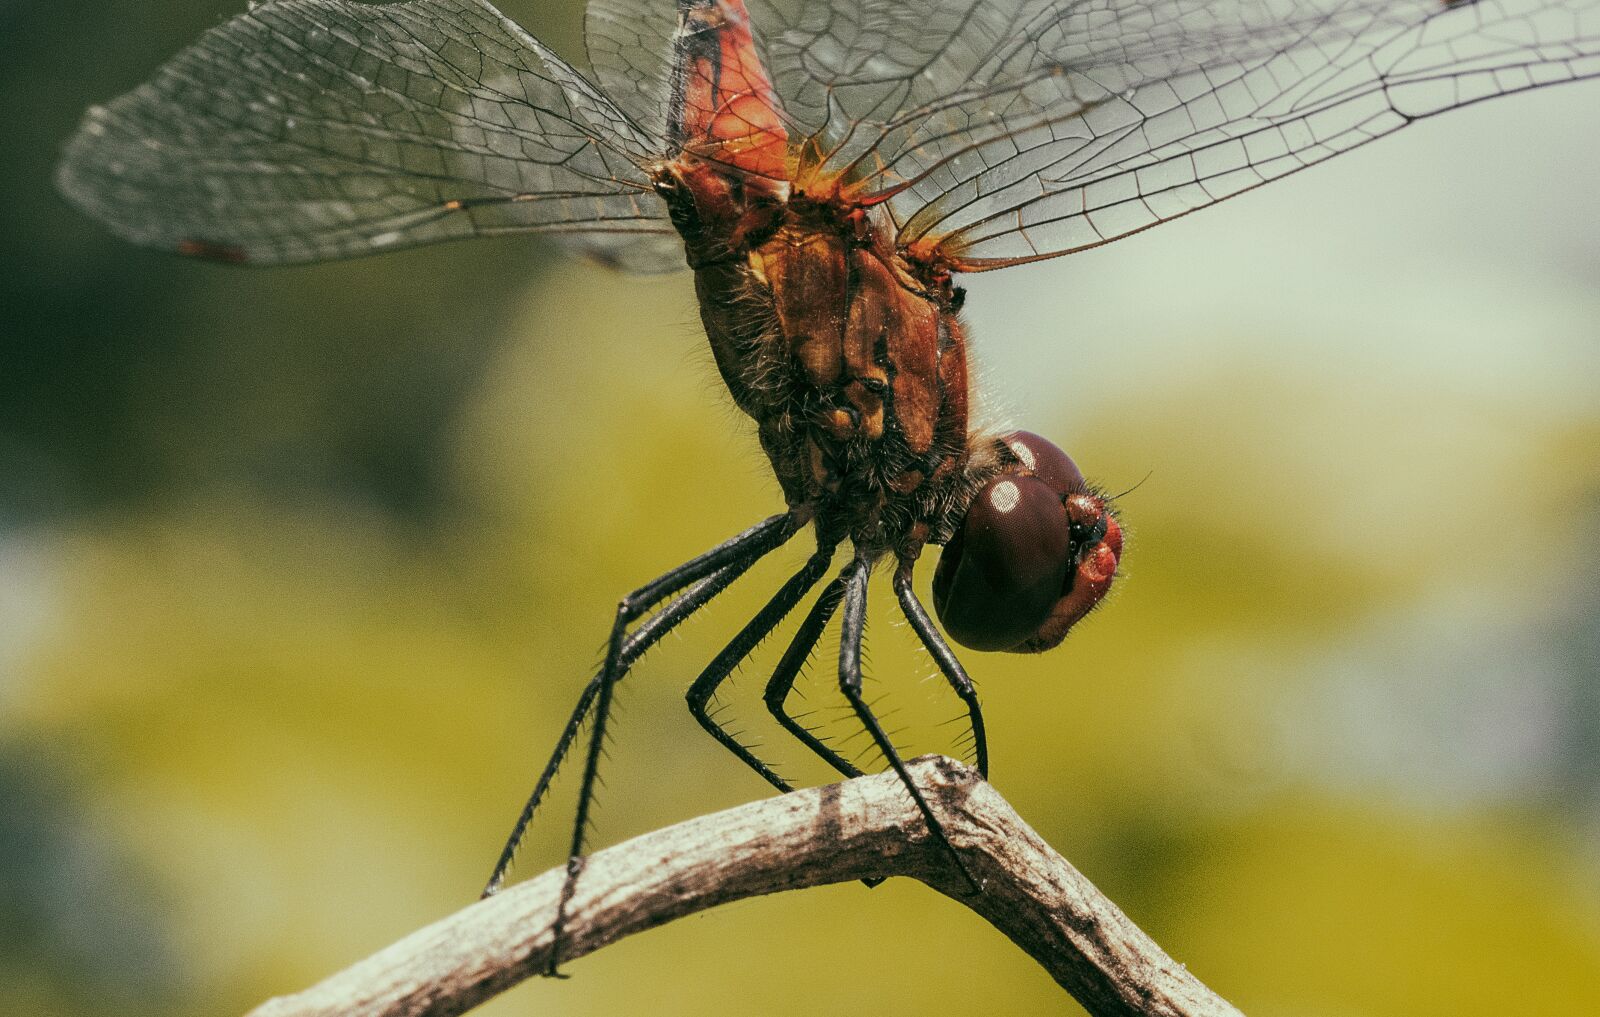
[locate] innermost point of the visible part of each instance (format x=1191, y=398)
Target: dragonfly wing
x=852, y=75
x=638, y=252
x=630, y=47
x=1006, y=131
x=306, y=130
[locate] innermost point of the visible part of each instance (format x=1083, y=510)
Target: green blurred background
x=301, y=569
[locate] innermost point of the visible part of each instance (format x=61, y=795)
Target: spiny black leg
x=642, y=638
x=759, y=627
x=709, y=574
x=520, y=828
x=782, y=683
x=737, y=554
x=854, y=624
x=794, y=660
x=942, y=655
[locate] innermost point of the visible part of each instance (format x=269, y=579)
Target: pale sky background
x=1460, y=257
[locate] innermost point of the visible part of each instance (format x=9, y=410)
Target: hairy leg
x=705, y=576
x=945, y=658
x=854, y=625
x=781, y=685
x=704, y=687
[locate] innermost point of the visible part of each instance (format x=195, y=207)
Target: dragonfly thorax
x=849, y=355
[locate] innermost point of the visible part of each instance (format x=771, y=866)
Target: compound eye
x=1037, y=551
x=1045, y=460
x=1001, y=576
x=1097, y=552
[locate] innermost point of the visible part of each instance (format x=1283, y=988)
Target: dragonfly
x=826, y=169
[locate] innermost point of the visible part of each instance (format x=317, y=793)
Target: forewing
x=630, y=46
x=306, y=130
x=1005, y=131
x=861, y=79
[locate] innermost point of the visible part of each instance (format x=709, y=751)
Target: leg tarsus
x=945, y=658
x=644, y=637
x=563, y=744
x=854, y=624
x=552, y=967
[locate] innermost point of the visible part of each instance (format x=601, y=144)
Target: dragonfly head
x=1037, y=550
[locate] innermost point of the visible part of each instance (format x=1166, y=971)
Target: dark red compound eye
x=1045, y=460
x=1003, y=572
x=1036, y=552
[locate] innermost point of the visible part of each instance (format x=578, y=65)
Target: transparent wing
x=631, y=48
x=306, y=130
x=861, y=78
x=1006, y=131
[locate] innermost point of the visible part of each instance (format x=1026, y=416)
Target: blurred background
x=300, y=571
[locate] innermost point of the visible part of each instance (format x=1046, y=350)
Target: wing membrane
x=305, y=130
x=1005, y=131
x=630, y=46
x=995, y=131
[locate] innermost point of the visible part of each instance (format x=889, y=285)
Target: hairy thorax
x=849, y=356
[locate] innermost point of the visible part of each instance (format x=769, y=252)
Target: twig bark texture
x=860, y=829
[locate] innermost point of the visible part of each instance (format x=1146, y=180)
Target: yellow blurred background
x=301, y=570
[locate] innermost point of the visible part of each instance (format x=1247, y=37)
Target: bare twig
x=859, y=829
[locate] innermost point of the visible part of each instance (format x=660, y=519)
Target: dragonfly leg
x=646, y=636
x=854, y=625
x=781, y=685
x=704, y=576
x=945, y=658
x=782, y=682
x=705, y=687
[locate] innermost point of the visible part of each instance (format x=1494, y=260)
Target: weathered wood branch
x=860, y=829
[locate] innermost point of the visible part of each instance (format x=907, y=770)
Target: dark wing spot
x=232, y=254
